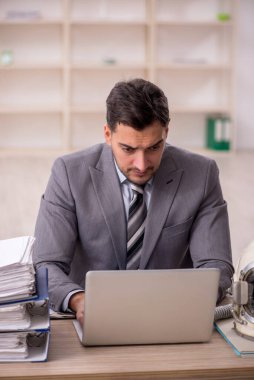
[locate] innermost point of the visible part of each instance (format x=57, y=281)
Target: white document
x=13, y=345
x=16, y=251
x=17, y=275
x=14, y=317
x=24, y=346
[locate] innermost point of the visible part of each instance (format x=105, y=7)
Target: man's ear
x=166, y=132
x=107, y=134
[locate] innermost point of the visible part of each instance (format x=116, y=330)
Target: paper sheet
x=17, y=276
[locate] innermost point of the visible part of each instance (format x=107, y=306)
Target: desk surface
x=69, y=360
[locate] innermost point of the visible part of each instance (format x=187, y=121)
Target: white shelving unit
x=68, y=54
x=194, y=61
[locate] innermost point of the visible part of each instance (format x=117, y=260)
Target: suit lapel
x=107, y=188
x=165, y=185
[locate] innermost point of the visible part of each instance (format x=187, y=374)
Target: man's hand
x=77, y=303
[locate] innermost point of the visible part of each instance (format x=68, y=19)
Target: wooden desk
x=69, y=360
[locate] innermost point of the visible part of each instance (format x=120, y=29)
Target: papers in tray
x=17, y=276
x=24, y=305
x=24, y=346
x=28, y=316
x=13, y=345
x=14, y=317
x=25, y=325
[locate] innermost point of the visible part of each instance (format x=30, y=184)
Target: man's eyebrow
x=131, y=147
x=127, y=146
x=157, y=143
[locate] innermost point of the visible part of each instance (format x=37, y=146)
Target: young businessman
x=133, y=202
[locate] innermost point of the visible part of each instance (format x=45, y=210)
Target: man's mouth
x=140, y=173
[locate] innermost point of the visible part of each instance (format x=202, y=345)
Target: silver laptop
x=149, y=306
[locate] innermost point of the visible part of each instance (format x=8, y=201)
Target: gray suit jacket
x=81, y=224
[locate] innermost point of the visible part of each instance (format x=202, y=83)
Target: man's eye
x=154, y=148
x=127, y=149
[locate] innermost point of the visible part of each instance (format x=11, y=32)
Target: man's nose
x=140, y=161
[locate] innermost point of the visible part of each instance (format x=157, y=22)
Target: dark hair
x=137, y=103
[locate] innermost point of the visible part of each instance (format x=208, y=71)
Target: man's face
x=137, y=153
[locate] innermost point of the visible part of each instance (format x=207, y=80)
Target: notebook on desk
x=148, y=306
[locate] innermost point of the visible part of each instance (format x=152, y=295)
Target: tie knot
x=137, y=188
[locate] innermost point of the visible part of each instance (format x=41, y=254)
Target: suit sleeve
x=210, y=245
x=56, y=234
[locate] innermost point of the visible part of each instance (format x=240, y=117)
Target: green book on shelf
x=218, y=131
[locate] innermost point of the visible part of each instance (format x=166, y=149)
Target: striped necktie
x=136, y=227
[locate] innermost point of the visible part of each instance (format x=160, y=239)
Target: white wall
x=244, y=97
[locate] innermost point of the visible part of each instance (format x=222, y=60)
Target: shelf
x=192, y=66
x=4, y=110
x=210, y=152
x=83, y=109
x=31, y=22
x=88, y=109
x=32, y=152
x=109, y=66
x=32, y=66
x=66, y=61
x=199, y=110
x=195, y=23
x=108, y=22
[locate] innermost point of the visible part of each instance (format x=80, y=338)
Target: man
x=134, y=202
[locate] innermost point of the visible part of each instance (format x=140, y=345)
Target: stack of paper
x=15, y=317
x=17, y=275
x=13, y=345
x=24, y=304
